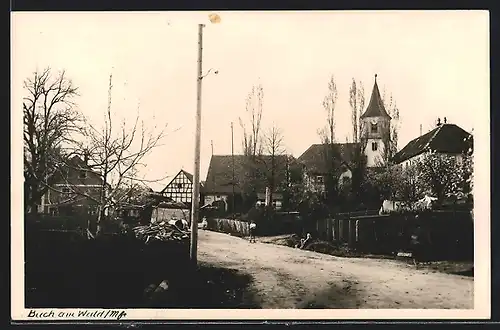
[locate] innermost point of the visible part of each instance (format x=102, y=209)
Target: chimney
x=438, y=122
x=445, y=120
x=420, y=129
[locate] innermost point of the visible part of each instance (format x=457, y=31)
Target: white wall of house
x=413, y=160
x=209, y=199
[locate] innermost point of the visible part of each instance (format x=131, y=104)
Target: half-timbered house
x=180, y=189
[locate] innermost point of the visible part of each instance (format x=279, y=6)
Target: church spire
x=375, y=107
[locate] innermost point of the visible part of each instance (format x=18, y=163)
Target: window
x=374, y=146
x=319, y=179
x=179, y=186
x=374, y=128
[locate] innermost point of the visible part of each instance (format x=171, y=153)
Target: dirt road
x=283, y=277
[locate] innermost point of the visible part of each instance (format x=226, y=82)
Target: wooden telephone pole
x=195, y=205
x=232, y=159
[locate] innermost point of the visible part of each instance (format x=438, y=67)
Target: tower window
x=374, y=146
x=374, y=127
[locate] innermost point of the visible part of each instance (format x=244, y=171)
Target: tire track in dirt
x=284, y=277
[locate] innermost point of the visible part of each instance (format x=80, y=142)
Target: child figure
x=253, y=226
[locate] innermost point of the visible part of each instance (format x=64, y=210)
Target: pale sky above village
x=435, y=64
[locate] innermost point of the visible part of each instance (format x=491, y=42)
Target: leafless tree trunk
x=327, y=135
x=252, y=145
x=329, y=103
x=252, y=139
x=114, y=154
x=391, y=138
x=274, y=147
x=357, y=103
x=49, y=122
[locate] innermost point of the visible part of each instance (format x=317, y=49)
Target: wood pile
x=163, y=232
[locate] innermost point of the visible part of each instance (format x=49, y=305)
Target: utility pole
x=195, y=205
x=232, y=159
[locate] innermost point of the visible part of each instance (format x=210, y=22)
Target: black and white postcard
x=250, y=165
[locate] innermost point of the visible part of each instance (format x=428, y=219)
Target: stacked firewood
x=163, y=232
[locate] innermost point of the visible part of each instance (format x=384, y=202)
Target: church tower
x=375, y=128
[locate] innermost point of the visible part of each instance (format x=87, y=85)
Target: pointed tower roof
x=376, y=106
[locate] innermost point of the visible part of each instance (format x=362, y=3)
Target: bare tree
x=331, y=154
x=329, y=103
x=357, y=103
x=115, y=153
x=274, y=148
x=391, y=137
x=252, y=142
x=50, y=122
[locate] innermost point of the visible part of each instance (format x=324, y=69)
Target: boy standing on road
x=252, y=231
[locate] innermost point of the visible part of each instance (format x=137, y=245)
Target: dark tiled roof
x=376, y=105
x=446, y=138
x=220, y=172
x=314, y=158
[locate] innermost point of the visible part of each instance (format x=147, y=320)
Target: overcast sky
x=435, y=64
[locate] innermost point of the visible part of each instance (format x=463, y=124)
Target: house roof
x=70, y=170
x=314, y=158
x=187, y=174
x=446, y=138
x=375, y=107
x=220, y=172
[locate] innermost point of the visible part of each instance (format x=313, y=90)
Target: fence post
x=332, y=228
x=357, y=231
x=341, y=230
x=334, y=231
x=350, y=230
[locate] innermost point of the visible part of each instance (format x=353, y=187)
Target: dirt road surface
x=284, y=277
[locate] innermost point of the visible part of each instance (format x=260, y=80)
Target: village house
x=445, y=138
x=373, y=138
x=74, y=189
x=228, y=174
x=180, y=188
x=180, y=192
x=314, y=162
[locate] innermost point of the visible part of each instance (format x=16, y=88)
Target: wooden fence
x=447, y=233
x=229, y=226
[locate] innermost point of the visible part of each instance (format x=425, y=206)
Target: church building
x=376, y=128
